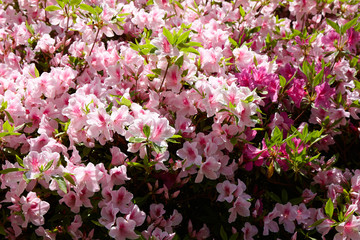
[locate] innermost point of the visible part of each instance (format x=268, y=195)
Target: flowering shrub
x=180, y=119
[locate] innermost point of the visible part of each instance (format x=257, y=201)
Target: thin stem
x=92, y=47
x=66, y=31
x=162, y=83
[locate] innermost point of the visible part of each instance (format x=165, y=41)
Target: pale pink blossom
x=190, y=154
x=33, y=209
x=208, y=168
x=123, y=230
x=249, y=231
x=121, y=199
x=349, y=229
x=226, y=190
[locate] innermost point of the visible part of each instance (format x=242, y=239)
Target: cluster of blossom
x=226, y=104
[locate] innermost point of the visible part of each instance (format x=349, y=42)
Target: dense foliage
x=167, y=119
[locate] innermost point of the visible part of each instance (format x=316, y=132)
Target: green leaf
x=6, y=126
x=248, y=99
x=37, y=74
x=109, y=107
x=179, y=5
x=183, y=37
x=306, y=69
x=193, y=44
x=318, y=78
x=234, y=236
x=75, y=2
x=282, y=81
x=48, y=165
x=9, y=117
x=29, y=28
x=179, y=62
x=98, y=10
x=135, y=164
x=136, y=139
x=4, y=134
x=276, y=135
x=150, y=2
x=223, y=234
x=19, y=160
x=318, y=222
x=3, y=106
x=168, y=36
x=156, y=71
x=2, y=230
x=52, y=8
x=158, y=149
x=357, y=84
x=348, y=25
x=254, y=29
x=146, y=131
x=334, y=25
x=296, y=201
x=190, y=49
x=176, y=136
x=8, y=170
x=284, y=196
x=68, y=177
x=274, y=197
x=123, y=100
x=354, y=61
x=61, y=182
x=88, y=8
x=97, y=223
x=61, y=3
x=233, y=42
x=242, y=11
x=329, y=208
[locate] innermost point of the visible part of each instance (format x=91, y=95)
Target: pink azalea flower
x=74, y=227
x=156, y=211
x=243, y=57
x=287, y=216
x=99, y=122
x=72, y=200
x=249, y=231
x=269, y=224
x=241, y=207
x=121, y=199
x=118, y=175
x=123, y=230
x=325, y=226
x=349, y=229
x=209, y=169
x=108, y=216
x=190, y=154
x=120, y=118
x=226, y=190
x=88, y=176
x=136, y=215
x=33, y=209
x=118, y=157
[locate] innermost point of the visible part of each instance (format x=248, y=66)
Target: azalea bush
x=191, y=119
